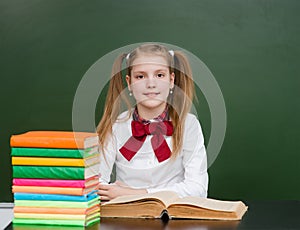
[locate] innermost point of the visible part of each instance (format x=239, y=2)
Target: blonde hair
x=179, y=102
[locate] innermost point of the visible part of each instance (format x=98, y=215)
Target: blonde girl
x=155, y=144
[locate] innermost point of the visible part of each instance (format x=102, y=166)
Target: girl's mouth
x=151, y=94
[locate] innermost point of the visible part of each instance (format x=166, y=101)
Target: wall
x=251, y=47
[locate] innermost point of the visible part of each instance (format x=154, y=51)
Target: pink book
x=56, y=183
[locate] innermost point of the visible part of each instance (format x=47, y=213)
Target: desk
x=260, y=215
x=6, y=214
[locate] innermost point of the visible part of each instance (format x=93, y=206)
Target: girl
x=156, y=144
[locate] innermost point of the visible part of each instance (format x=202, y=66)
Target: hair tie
x=171, y=52
x=127, y=56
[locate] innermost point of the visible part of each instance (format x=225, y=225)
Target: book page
x=212, y=204
x=165, y=197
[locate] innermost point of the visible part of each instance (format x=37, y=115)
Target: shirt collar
x=162, y=117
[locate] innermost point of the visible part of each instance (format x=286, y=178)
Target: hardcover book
x=57, y=204
x=55, y=197
x=60, y=220
x=55, y=172
x=57, y=183
x=55, y=139
x=53, y=190
x=51, y=161
x=51, y=210
x=52, y=152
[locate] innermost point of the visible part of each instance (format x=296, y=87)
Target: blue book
x=39, y=196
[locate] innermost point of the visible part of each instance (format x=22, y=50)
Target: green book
x=87, y=222
x=30, y=226
x=57, y=204
x=55, y=172
x=45, y=152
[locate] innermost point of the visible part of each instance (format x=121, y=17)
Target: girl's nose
x=151, y=83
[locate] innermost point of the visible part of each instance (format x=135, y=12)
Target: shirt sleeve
x=195, y=182
x=107, y=160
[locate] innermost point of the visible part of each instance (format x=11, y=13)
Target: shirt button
x=150, y=162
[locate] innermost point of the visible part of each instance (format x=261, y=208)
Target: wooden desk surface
x=260, y=215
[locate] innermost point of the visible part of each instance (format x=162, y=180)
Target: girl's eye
x=160, y=75
x=139, y=76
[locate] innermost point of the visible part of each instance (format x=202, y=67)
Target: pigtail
x=183, y=94
x=113, y=101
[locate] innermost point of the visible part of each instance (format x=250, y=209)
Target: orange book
x=55, y=210
x=55, y=139
x=53, y=190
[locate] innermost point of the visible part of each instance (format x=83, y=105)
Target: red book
x=56, y=183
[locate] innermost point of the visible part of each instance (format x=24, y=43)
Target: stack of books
x=55, y=177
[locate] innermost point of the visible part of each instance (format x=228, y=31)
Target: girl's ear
x=172, y=79
x=128, y=82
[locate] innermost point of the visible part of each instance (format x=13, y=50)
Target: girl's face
x=150, y=83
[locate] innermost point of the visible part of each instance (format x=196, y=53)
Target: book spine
x=85, y=211
x=50, y=210
x=49, y=216
x=54, y=197
x=48, y=190
x=48, y=161
x=58, y=172
x=49, y=182
x=41, y=142
x=49, y=222
x=66, y=223
x=57, y=204
x=56, y=183
x=48, y=152
x=54, y=140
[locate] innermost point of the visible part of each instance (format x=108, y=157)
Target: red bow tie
x=158, y=142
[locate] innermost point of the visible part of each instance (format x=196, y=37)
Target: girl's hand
x=111, y=191
x=120, y=183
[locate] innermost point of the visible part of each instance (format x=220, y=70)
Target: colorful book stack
x=55, y=177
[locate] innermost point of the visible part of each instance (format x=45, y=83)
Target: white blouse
x=186, y=174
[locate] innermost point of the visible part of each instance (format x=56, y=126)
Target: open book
x=155, y=205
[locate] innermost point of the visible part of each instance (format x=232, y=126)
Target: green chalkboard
x=251, y=47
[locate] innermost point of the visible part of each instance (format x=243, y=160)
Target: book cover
x=53, y=190
x=55, y=139
x=55, y=172
x=56, y=183
x=54, y=197
x=51, y=152
x=54, y=216
x=57, y=204
x=88, y=221
x=51, y=161
x=51, y=210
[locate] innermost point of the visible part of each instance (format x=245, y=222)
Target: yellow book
x=50, y=216
x=49, y=161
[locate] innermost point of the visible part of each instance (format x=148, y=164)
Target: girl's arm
x=110, y=191
x=107, y=160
